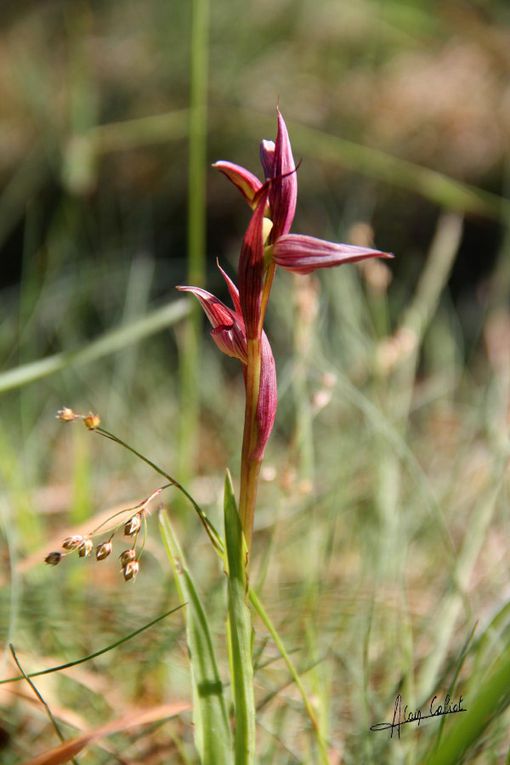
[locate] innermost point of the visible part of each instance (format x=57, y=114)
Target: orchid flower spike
x=229, y=334
x=293, y=252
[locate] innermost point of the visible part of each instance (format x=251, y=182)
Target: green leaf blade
x=239, y=631
x=492, y=698
x=212, y=732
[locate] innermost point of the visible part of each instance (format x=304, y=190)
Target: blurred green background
x=383, y=513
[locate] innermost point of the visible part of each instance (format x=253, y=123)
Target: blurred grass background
x=383, y=514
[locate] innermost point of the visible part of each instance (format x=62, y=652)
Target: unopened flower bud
x=267, y=149
x=92, y=421
x=85, y=549
x=126, y=557
x=53, y=558
x=72, y=543
x=66, y=414
x=133, y=525
x=103, y=550
x=130, y=570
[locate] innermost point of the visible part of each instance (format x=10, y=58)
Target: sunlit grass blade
x=41, y=699
x=141, y=131
x=190, y=348
x=239, y=631
x=321, y=744
x=94, y=655
x=212, y=733
x=491, y=699
x=110, y=342
x=452, y=604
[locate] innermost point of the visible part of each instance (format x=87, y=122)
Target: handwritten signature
x=401, y=716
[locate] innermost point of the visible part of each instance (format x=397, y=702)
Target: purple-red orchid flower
x=229, y=334
x=279, y=168
x=251, y=267
x=238, y=331
x=293, y=252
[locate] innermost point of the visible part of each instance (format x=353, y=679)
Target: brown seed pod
x=103, y=550
x=85, y=549
x=72, y=543
x=132, y=525
x=126, y=556
x=131, y=570
x=53, y=558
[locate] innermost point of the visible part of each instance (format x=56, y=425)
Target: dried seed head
x=72, y=543
x=133, y=525
x=92, y=421
x=85, y=548
x=66, y=415
x=126, y=557
x=53, y=558
x=103, y=550
x=130, y=570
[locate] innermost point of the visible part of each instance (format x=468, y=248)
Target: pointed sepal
x=251, y=267
x=247, y=183
x=304, y=254
x=283, y=194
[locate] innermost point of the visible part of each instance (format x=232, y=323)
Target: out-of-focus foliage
x=427, y=82
x=381, y=532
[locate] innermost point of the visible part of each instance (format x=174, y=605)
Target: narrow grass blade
x=40, y=697
x=212, y=733
x=109, y=343
x=492, y=698
x=259, y=608
x=197, y=168
x=94, y=655
x=239, y=632
x=141, y=131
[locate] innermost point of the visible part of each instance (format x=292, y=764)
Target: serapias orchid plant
x=238, y=331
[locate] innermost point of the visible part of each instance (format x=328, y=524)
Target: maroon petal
x=251, y=267
x=232, y=289
x=231, y=341
x=247, y=183
x=283, y=194
x=303, y=254
x=216, y=311
x=268, y=399
x=228, y=330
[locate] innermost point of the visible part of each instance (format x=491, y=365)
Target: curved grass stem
x=208, y=526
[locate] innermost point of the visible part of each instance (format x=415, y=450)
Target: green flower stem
x=250, y=467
